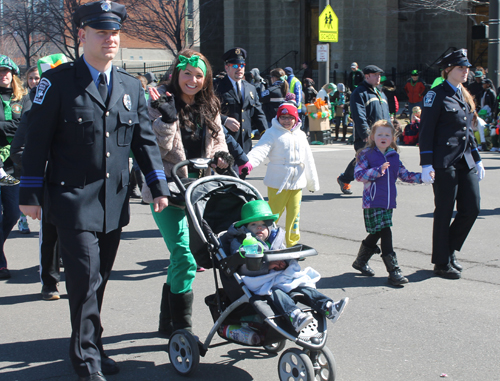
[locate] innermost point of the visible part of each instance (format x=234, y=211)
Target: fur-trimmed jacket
x=169, y=139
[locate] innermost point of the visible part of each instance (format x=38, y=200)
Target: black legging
x=385, y=236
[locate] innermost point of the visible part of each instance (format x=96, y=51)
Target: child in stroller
x=278, y=278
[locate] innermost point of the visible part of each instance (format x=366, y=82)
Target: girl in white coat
x=291, y=167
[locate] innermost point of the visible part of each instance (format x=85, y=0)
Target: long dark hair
x=206, y=104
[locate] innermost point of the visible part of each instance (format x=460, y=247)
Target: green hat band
x=194, y=61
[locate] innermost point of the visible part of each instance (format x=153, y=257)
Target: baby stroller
x=213, y=203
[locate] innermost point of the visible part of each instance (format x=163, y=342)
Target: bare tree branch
x=436, y=7
x=162, y=22
x=24, y=20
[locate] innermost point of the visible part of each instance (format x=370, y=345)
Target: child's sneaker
x=23, y=225
x=8, y=181
x=301, y=320
x=334, y=310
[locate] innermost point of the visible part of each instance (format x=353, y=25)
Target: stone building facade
x=370, y=32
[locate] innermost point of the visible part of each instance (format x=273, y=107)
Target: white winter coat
x=291, y=163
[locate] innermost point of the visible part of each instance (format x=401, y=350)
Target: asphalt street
x=428, y=330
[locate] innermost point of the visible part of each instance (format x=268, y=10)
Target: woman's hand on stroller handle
x=160, y=203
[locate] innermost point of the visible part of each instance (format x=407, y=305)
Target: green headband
x=194, y=61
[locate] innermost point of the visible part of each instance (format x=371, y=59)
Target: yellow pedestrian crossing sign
x=328, y=25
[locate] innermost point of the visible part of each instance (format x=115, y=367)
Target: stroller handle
x=198, y=163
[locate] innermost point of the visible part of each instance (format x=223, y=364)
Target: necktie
x=103, y=87
x=240, y=98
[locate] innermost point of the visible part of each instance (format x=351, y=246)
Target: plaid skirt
x=377, y=219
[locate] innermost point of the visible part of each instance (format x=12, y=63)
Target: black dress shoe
x=447, y=272
x=93, y=377
x=455, y=264
x=108, y=366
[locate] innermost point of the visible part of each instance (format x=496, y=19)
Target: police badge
x=237, y=51
x=106, y=6
x=127, y=102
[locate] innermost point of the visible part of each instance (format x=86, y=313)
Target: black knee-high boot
x=395, y=274
x=364, y=255
x=165, y=325
x=181, y=309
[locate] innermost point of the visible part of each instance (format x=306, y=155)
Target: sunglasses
x=236, y=66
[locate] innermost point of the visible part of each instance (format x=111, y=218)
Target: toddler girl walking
x=378, y=167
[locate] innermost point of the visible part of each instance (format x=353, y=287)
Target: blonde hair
x=469, y=99
x=370, y=143
x=18, y=90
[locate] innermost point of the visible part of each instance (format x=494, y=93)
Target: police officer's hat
x=235, y=55
x=102, y=15
x=456, y=58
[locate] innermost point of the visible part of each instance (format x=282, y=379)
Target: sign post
x=328, y=24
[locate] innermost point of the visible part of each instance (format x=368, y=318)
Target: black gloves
x=166, y=105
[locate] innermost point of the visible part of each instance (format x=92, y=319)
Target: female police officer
x=450, y=160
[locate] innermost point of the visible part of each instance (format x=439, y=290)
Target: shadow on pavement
x=153, y=268
x=306, y=197
x=28, y=275
x=151, y=233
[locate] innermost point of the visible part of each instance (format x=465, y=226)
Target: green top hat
x=50, y=62
x=257, y=210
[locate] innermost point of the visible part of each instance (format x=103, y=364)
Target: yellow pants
x=289, y=200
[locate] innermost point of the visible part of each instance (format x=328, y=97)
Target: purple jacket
x=380, y=190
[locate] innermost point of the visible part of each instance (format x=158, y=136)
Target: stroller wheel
x=295, y=364
x=275, y=347
x=183, y=352
x=324, y=364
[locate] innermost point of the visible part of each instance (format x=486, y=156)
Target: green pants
x=173, y=226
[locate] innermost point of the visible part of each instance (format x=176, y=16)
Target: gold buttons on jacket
x=108, y=154
x=465, y=128
x=107, y=113
x=62, y=182
x=465, y=118
x=107, y=175
x=464, y=138
x=107, y=134
x=130, y=121
x=80, y=120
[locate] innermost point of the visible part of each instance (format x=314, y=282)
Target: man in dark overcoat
x=86, y=118
x=241, y=109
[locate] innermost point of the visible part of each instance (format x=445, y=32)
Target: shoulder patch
x=264, y=93
x=41, y=90
x=429, y=99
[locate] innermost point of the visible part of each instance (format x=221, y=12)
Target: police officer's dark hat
x=235, y=55
x=456, y=58
x=102, y=15
x=372, y=69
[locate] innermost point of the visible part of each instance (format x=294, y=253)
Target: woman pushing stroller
x=278, y=278
x=187, y=124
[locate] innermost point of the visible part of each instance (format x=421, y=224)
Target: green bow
x=194, y=61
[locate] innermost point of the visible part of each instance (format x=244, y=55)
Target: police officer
x=241, y=109
x=450, y=160
x=86, y=118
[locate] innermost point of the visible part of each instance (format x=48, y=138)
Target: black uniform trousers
x=88, y=259
x=49, y=253
x=348, y=175
x=457, y=183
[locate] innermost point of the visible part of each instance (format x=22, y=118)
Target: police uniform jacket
x=445, y=134
x=86, y=145
x=271, y=99
x=249, y=114
x=368, y=105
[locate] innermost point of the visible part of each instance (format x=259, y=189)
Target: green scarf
x=7, y=110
